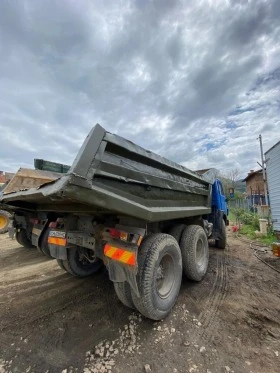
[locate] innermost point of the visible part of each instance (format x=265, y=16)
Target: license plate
x=59, y=234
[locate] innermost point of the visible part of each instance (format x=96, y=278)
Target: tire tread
x=187, y=244
x=222, y=243
x=123, y=292
x=149, y=253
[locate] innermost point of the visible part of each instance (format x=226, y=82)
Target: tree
x=233, y=176
x=229, y=180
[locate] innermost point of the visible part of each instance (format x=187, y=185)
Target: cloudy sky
x=196, y=81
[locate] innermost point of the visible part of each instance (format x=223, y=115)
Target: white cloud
x=195, y=81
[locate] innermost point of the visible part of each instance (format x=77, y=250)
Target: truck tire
x=44, y=246
x=79, y=266
x=222, y=243
x=177, y=231
x=123, y=292
x=60, y=263
x=159, y=276
x=4, y=221
x=22, y=239
x=195, y=252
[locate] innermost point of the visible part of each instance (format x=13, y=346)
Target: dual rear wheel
x=23, y=239
x=162, y=259
x=80, y=262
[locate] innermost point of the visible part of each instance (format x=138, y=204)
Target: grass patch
x=250, y=224
x=231, y=216
x=249, y=231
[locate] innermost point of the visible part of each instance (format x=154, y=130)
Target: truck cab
x=219, y=201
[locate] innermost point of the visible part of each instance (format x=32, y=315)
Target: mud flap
x=37, y=231
x=57, y=244
x=12, y=232
x=120, y=259
x=119, y=272
x=58, y=252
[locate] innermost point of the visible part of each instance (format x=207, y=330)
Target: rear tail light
x=114, y=233
x=118, y=234
x=129, y=237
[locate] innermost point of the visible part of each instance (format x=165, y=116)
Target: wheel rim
x=3, y=222
x=165, y=276
x=200, y=253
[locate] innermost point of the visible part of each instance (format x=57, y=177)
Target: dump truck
x=144, y=217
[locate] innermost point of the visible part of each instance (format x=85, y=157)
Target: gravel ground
x=52, y=322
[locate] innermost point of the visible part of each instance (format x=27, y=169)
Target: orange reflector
x=120, y=255
x=139, y=240
x=57, y=241
x=123, y=236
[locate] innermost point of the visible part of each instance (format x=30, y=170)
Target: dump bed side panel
x=113, y=174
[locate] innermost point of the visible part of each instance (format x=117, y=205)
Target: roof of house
x=5, y=176
x=272, y=147
x=251, y=174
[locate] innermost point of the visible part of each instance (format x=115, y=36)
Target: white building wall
x=272, y=157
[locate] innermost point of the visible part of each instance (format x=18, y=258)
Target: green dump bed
x=112, y=175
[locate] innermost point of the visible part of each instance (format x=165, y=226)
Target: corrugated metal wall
x=272, y=157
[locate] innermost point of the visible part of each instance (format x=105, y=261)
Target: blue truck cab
x=219, y=214
x=219, y=201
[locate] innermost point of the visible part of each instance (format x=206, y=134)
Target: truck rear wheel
x=123, y=292
x=177, y=231
x=222, y=242
x=81, y=262
x=4, y=221
x=60, y=263
x=22, y=238
x=44, y=246
x=195, y=252
x=159, y=276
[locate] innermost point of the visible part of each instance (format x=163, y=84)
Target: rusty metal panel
x=27, y=178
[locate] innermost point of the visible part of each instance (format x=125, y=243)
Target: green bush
x=247, y=218
x=250, y=223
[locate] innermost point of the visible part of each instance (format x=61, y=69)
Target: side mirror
x=226, y=200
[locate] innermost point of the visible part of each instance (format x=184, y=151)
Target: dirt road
x=52, y=322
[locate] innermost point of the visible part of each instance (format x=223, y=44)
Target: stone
x=147, y=368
